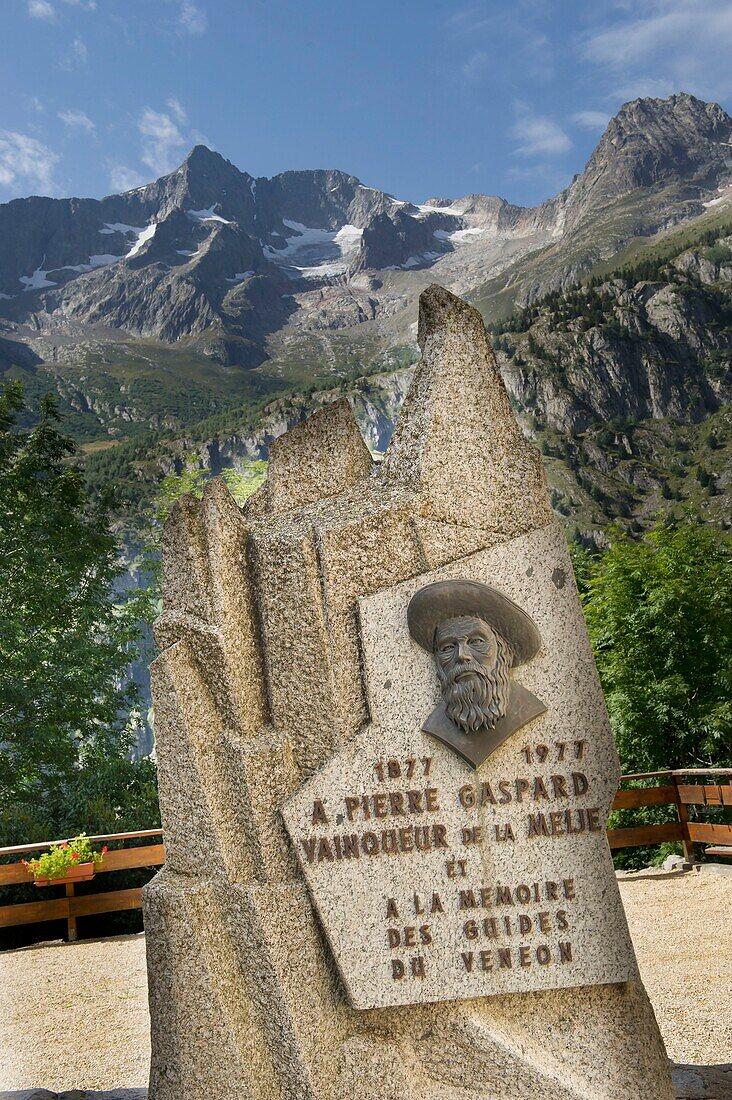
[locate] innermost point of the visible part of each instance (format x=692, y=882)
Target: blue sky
x=418, y=97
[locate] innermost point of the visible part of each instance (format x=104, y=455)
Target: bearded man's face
x=473, y=665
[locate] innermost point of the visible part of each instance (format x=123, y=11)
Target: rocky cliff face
x=651, y=356
x=659, y=163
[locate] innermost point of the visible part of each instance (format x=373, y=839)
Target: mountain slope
x=659, y=162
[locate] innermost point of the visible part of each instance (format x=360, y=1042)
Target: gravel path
x=75, y=1015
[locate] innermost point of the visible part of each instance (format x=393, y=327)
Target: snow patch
x=143, y=236
x=208, y=215
x=461, y=236
x=423, y=211
x=37, y=281
x=187, y=251
x=425, y=257
x=6, y=297
x=102, y=260
x=240, y=275
x=315, y=252
x=253, y=189
x=726, y=193
x=121, y=227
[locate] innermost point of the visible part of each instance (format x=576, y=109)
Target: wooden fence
x=677, y=791
x=673, y=791
x=70, y=907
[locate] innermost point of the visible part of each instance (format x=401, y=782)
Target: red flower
x=64, y=845
x=104, y=849
x=74, y=855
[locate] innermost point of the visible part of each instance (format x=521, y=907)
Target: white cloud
x=122, y=178
x=500, y=36
x=176, y=109
x=76, y=55
x=162, y=141
x=476, y=64
x=679, y=44
x=77, y=120
x=41, y=9
x=26, y=163
x=591, y=120
x=192, y=19
x=79, y=51
x=538, y=136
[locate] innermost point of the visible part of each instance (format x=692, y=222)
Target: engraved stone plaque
x=438, y=881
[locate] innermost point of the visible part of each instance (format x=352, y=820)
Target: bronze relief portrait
x=476, y=635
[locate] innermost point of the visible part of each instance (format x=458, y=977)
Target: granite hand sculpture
x=476, y=635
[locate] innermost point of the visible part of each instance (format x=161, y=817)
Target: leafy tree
x=68, y=632
x=659, y=612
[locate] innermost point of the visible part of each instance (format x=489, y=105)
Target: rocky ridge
x=237, y=270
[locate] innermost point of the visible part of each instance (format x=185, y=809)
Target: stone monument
x=385, y=772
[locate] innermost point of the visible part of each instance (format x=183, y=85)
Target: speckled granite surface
x=260, y=681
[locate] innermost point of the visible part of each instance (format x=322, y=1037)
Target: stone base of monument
x=348, y=907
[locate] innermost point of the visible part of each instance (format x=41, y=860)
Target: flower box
x=81, y=872
x=66, y=861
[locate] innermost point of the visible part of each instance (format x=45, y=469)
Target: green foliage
x=718, y=253
x=68, y=634
x=61, y=857
x=659, y=614
x=240, y=483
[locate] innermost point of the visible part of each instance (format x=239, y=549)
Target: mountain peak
x=201, y=156
x=680, y=110
x=656, y=141
x=205, y=179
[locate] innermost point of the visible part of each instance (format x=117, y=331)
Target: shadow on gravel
x=75, y=1094
x=701, y=1082
x=690, y=1083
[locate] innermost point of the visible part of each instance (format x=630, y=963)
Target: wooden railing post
x=70, y=921
x=683, y=813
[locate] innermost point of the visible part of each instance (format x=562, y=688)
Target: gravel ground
x=75, y=1015
x=682, y=933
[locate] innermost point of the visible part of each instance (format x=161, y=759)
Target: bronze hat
x=442, y=600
